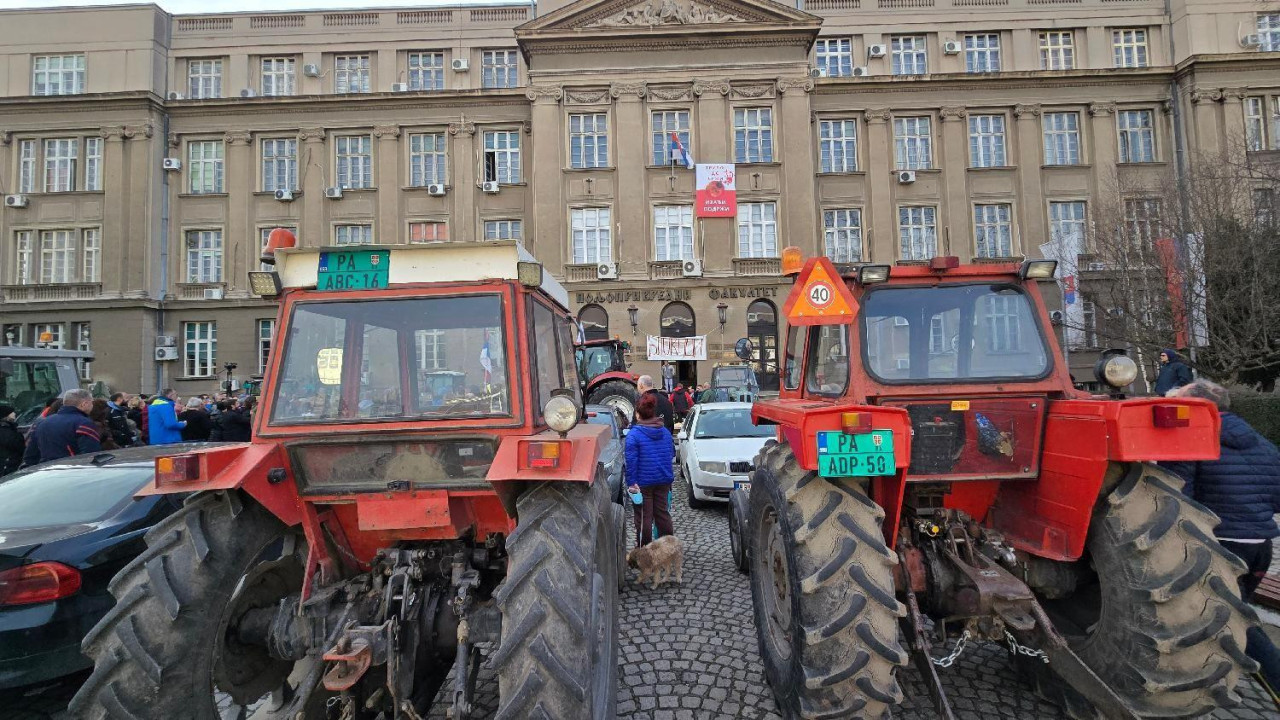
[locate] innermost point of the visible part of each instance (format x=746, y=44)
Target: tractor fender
x=579, y=461
x=242, y=466
x=603, y=378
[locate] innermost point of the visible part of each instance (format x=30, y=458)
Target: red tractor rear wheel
x=618, y=394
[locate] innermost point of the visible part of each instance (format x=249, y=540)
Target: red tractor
x=418, y=488
x=934, y=461
x=602, y=367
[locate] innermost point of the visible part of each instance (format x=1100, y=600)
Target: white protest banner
x=669, y=348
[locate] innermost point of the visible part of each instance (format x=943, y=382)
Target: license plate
x=742, y=486
x=860, y=455
x=353, y=270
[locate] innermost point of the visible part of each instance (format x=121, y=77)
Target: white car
x=717, y=450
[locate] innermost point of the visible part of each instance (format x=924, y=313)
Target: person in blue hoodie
x=650, y=452
x=163, y=425
x=1243, y=488
x=1173, y=372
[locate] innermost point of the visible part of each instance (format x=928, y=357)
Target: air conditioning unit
x=166, y=341
x=906, y=177
x=490, y=186
x=284, y=195
x=951, y=47
x=817, y=72
x=607, y=271
x=166, y=353
x=435, y=190
x=171, y=164
x=1251, y=42
x=861, y=71
x=213, y=293
x=177, y=96
x=311, y=70
x=877, y=51
x=399, y=87
x=461, y=65
x=248, y=93
x=691, y=268
x=15, y=201
x=333, y=193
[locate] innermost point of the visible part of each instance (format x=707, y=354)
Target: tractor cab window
x=952, y=332
x=596, y=360
x=794, y=361
x=414, y=358
x=26, y=389
x=828, y=360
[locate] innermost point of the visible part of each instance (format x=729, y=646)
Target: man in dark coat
x=1243, y=487
x=66, y=433
x=198, y=423
x=12, y=444
x=645, y=385
x=1173, y=372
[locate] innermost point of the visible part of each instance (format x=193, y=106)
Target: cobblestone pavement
x=689, y=653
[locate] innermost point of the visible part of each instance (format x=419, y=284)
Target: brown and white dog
x=659, y=560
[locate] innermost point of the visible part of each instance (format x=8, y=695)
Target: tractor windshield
x=952, y=332
x=418, y=358
x=596, y=360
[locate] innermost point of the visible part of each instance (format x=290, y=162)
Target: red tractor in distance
x=934, y=461
x=418, y=488
x=602, y=366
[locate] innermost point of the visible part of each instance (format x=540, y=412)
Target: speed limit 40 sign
x=819, y=296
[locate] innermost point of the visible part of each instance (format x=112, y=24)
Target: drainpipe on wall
x=1180, y=173
x=164, y=249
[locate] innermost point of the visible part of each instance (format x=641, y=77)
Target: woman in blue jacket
x=650, y=451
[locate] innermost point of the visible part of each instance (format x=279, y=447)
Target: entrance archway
x=762, y=330
x=677, y=321
x=595, y=322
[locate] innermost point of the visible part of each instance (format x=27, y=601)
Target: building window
x=834, y=56
x=1067, y=228
x=200, y=341
x=982, y=53
x=993, y=230
x=63, y=256
x=842, y=231
x=426, y=159
x=24, y=258
x=93, y=164
x=677, y=320
x=277, y=76
x=351, y=74
x=354, y=155
x=353, y=235
x=673, y=232
x=594, y=320
x=589, y=141
x=592, y=235
x=1089, y=319
x=204, y=256
x=205, y=166
x=430, y=345
x=57, y=256
x=753, y=135
x=1003, y=323
x=60, y=164
x=62, y=74
x=499, y=69
x=426, y=71
x=1268, y=32
x=502, y=157
x=27, y=166
x=1142, y=222
x=264, y=235
x=666, y=122
x=1057, y=50
x=838, y=146
x=428, y=232
x=502, y=230
x=266, y=332
x=986, y=141
x=279, y=164
x=1137, y=136
x=1262, y=132
x=907, y=55
x=84, y=342
x=918, y=232
x=50, y=335
x=1264, y=206
x=91, y=254
x=1062, y=138
x=913, y=144
x=758, y=230
x=1129, y=48
x=204, y=79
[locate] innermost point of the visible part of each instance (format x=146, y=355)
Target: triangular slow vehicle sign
x=819, y=296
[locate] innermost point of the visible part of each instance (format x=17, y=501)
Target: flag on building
x=679, y=154
x=486, y=361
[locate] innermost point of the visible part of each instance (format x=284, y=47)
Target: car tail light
x=542, y=455
x=177, y=469
x=38, y=583
x=1171, y=416
x=855, y=422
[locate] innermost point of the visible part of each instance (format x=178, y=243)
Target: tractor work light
x=872, y=274
x=529, y=274
x=264, y=283
x=1038, y=269
x=561, y=413
x=176, y=469
x=792, y=260
x=1116, y=370
x=1170, y=416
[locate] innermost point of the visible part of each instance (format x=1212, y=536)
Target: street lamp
x=633, y=313
x=723, y=309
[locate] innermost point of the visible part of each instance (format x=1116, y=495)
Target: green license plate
x=860, y=455
x=353, y=270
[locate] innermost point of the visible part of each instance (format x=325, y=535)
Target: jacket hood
x=653, y=432
x=651, y=423
x=1236, y=433
x=161, y=400
x=1172, y=355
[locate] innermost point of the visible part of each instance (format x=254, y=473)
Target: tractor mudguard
x=238, y=466
x=578, y=461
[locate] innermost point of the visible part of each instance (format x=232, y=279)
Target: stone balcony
x=581, y=272
x=200, y=291
x=666, y=269
x=757, y=266
x=51, y=292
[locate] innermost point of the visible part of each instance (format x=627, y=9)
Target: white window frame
x=1142, y=218
x=204, y=78
x=353, y=234
x=1057, y=49
x=591, y=234
x=1004, y=324
x=987, y=146
x=1062, y=142
x=57, y=333
x=1129, y=48
x=1069, y=224
x=753, y=134
x=502, y=156
x=838, y=145
x=200, y=349
x=982, y=53
x=834, y=55
x=428, y=159
x=1089, y=321
x=204, y=255
x=279, y=163
x=842, y=234
x=24, y=260
x=83, y=336
x=430, y=349
x=1137, y=139
x=93, y=164
x=91, y=255
x=673, y=232
x=1269, y=31
x=264, y=235
x=206, y=167
x=758, y=230
x=266, y=335
x=426, y=70
x=917, y=232
x=58, y=256
x=662, y=123
x=588, y=140
x=353, y=161
x=352, y=74
x=441, y=233
x=277, y=76
x=499, y=69
x=28, y=152
x=502, y=229
x=61, y=158
x=58, y=74
x=908, y=55
x=993, y=230
x=913, y=142
x=1262, y=122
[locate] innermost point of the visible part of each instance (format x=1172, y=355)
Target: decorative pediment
x=667, y=12
x=607, y=15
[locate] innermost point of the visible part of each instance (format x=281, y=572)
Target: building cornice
x=1002, y=81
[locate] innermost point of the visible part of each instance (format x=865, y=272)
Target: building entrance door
x=762, y=330
x=678, y=322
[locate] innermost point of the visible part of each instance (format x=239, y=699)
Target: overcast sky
x=209, y=6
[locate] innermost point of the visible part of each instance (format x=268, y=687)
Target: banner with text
x=669, y=348
x=717, y=191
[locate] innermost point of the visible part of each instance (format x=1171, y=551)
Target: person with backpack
x=118, y=420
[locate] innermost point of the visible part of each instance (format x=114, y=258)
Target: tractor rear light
x=1170, y=416
x=177, y=469
x=944, y=262
x=543, y=455
x=792, y=260
x=38, y=583
x=855, y=422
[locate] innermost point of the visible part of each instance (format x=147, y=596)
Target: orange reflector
x=177, y=469
x=792, y=260
x=544, y=454
x=855, y=422
x=1171, y=416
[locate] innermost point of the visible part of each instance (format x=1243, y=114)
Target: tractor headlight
x=1116, y=370
x=561, y=413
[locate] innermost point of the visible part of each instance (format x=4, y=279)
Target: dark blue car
x=66, y=528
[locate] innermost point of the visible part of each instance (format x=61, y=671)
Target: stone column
x=799, y=207
x=1233, y=123
x=1031, y=228
x=543, y=156
x=389, y=176
x=631, y=233
x=1106, y=147
x=119, y=275
x=1205, y=132
x=138, y=162
x=880, y=225
x=955, y=215
x=313, y=164
x=240, y=239
x=464, y=180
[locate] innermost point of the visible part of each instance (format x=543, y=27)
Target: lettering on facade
x=585, y=298
x=735, y=293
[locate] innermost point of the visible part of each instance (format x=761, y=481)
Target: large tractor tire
x=558, y=657
x=1162, y=622
x=618, y=394
x=164, y=650
x=822, y=586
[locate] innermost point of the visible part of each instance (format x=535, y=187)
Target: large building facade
x=145, y=156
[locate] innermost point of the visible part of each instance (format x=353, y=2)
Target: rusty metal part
x=918, y=640
x=910, y=573
x=349, y=665
x=1071, y=668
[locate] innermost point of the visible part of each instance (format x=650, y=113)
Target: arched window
x=595, y=322
x=677, y=321
x=762, y=330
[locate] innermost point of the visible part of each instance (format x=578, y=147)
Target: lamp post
x=633, y=314
x=723, y=310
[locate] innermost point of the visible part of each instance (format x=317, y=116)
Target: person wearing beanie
x=11, y=443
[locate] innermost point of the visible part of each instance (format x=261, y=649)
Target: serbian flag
x=486, y=361
x=679, y=154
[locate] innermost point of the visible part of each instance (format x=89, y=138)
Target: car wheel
x=694, y=502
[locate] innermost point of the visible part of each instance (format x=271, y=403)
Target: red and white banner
x=669, y=348
x=717, y=191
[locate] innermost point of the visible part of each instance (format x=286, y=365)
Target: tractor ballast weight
x=412, y=494
x=934, y=460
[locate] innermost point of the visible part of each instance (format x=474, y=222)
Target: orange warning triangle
x=819, y=296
